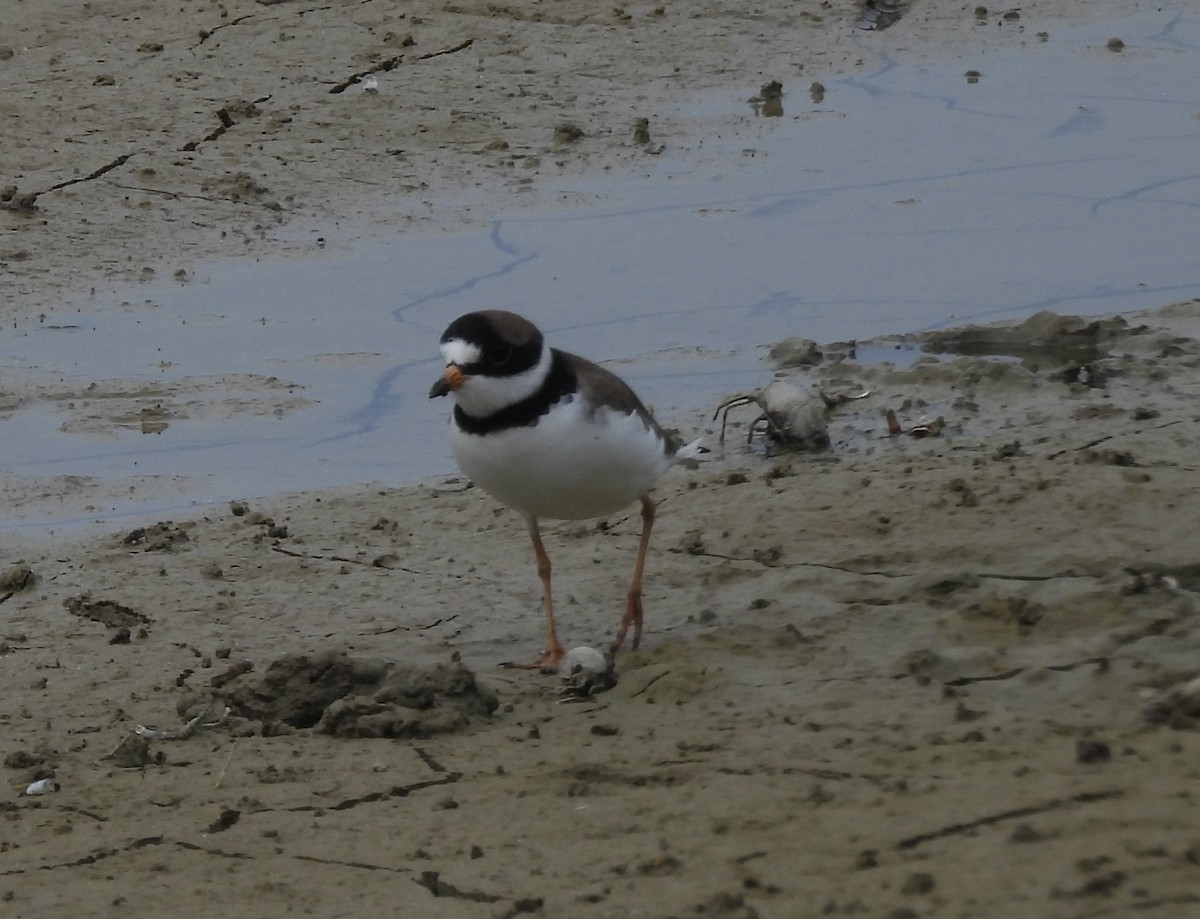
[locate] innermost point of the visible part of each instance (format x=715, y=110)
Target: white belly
x=569, y=465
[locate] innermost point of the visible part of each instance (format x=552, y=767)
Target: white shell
x=581, y=664
x=585, y=671
x=43, y=787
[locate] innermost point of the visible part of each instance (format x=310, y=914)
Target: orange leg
x=554, y=650
x=633, y=602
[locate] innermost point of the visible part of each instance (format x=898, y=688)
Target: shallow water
x=1065, y=179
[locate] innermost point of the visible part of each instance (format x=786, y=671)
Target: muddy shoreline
x=942, y=675
x=912, y=675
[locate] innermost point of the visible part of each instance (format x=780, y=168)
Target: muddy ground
x=907, y=676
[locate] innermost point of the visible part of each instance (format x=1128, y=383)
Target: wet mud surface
x=941, y=667
x=942, y=675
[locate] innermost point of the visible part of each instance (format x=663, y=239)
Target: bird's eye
x=499, y=355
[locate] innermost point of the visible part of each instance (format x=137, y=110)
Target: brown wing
x=599, y=385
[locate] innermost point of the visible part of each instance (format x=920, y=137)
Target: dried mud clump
x=1042, y=333
x=336, y=694
x=16, y=578
x=109, y=613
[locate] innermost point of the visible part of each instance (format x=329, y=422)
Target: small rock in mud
x=357, y=697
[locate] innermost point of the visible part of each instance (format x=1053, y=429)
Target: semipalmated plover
x=551, y=434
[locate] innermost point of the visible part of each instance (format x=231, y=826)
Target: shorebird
x=551, y=435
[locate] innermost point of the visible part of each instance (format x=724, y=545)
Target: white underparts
x=575, y=462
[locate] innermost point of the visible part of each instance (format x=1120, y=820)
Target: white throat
x=482, y=395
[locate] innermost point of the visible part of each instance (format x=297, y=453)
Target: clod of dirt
x=19, y=577
x=726, y=906
x=23, y=759
x=355, y=697
x=795, y=352
x=880, y=14
x=1179, y=707
x=164, y=536
x=12, y=200
x=919, y=882
x=771, y=90
x=106, y=612
x=232, y=673
x=567, y=133
x=1092, y=751
x=131, y=753
x=1042, y=334
x=240, y=109
x=237, y=186
x=224, y=821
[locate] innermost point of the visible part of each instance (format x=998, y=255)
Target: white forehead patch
x=457, y=351
x=481, y=395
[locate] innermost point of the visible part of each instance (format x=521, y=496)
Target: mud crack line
x=961, y=829
x=91, y=859
x=392, y=63
x=396, y=791
x=95, y=174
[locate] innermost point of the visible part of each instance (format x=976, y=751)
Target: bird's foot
x=547, y=663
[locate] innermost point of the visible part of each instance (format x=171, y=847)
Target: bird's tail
x=692, y=451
